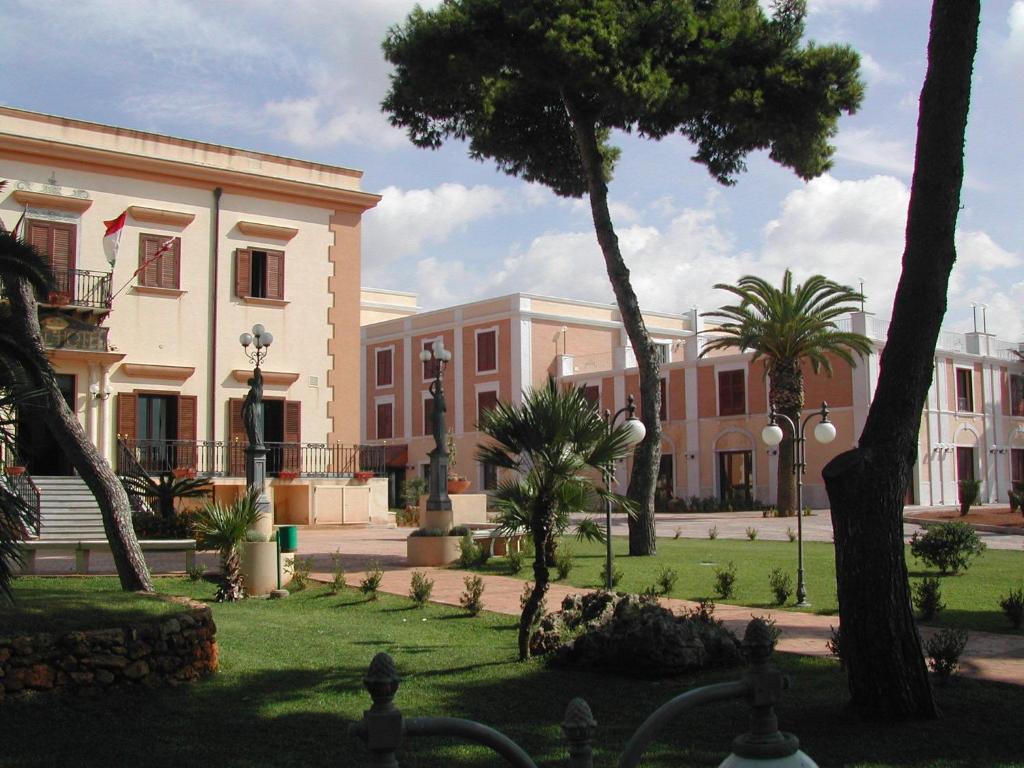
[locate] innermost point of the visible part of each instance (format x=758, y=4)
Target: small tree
x=548, y=443
x=223, y=527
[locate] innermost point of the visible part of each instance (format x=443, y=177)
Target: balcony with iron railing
x=79, y=289
x=217, y=458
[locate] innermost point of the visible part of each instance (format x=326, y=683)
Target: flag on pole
x=19, y=224
x=112, y=237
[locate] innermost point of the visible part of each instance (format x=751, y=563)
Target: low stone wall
x=168, y=651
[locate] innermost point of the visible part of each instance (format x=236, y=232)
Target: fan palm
x=550, y=442
x=223, y=527
x=19, y=368
x=787, y=326
x=165, y=488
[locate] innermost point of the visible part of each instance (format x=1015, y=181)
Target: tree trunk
x=880, y=643
x=647, y=456
x=540, y=586
x=787, y=396
x=94, y=470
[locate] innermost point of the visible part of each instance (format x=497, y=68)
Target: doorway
x=38, y=449
x=663, y=491
x=735, y=478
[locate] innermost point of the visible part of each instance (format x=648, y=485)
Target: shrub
x=337, y=573
x=704, y=611
x=928, y=598
x=563, y=561
x=725, y=581
x=616, y=575
x=679, y=532
x=774, y=633
x=835, y=645
x=407, y=516
x=667, y=578
x=472, y=599
x=514, y=561
x=751, y=533
x=460, y=530
x=255, y=536
x=301, y=567
x=968, y=492
x=781, y=584
x=196, y=572
x=371, y=582
x=469, y=552
x=713, y=532
x=412, y=489
x=791, y=534
x=429, y=532
x=1013, y=607
x=947, y=546
x=944, y=651
x=420, y=588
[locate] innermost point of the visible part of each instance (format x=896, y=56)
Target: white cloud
x=867, y=147
x=875, y=73
x=405, y=220
x=1014, y=46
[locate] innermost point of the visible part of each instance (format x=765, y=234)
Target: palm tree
x=786, y=327
x=164, y=488
x=549, y=442
x=21, y=269
x=223, y=527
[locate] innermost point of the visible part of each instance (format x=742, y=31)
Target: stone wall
x=167, y=651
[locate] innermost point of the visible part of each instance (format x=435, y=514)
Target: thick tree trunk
x=881, y=647
x=647, y=456
x=106, y=488
x=541, y=578
x=787, y=396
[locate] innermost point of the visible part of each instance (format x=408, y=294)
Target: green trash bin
x=288, y=537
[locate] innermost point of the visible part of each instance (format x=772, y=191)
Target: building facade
x=713, y=407
x=215, y=240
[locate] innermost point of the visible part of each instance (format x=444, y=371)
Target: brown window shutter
x=186, y=431
x=428, y=416
x=148, y=267
x=486, y=352
x=237, y=440
x=485, y=401
x=62, y=257
x=385, y=421
x=243, y=272
x=168, y=264
x=37, y=234
x=384, y=378
x=663, y=406
x=275, y=275
x=127, y=415
x=291, y=457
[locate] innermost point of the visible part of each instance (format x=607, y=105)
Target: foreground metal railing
x=384, y=729
x=215, y=458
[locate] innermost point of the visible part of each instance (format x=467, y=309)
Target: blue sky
x=304, y=78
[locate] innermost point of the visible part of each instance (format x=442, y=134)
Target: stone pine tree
x=64, y=425
x=866, y=486
x=538, y=87
x=788, y=327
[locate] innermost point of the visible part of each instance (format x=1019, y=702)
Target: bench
x=499, y=543
x=83, y=549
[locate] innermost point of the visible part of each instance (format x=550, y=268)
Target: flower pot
x=180, y=473
x=59, y=298
x=459, y=485
x=287, y=475
x=362, y=477
x=14, y=470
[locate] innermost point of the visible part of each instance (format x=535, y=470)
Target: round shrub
x=947, y=546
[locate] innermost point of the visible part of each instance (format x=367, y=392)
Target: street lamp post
x=824, y=432
x=637, y=432
x=437, y=500
x=252, y=408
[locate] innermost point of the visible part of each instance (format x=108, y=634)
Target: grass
x=43, y=605
x=290, y=683
x=972, y=598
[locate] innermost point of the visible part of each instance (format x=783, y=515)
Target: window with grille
x=732, y=395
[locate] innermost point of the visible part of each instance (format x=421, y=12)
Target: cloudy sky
x=305, y=78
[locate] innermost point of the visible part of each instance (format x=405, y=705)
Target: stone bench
x=499, y=543
x=84, y=548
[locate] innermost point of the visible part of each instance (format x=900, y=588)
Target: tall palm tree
x=549, y=442
x=787, y=326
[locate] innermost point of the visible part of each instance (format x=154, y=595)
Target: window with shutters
x=385, y=421
x=55, y=242
x=385, y=367
x=159, y=261
x=732, y=394
x=259, y=274
x=487, y=351
x=485, y=400
x=161, y=427
x=965, y=389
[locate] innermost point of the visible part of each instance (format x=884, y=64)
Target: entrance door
x=37, y=448
x=735, y=478
x=156, y=420
x=964, y=463
x=666, y=482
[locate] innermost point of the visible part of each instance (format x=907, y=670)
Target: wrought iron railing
x=29, y=494
x=80, y=288
x=215, y=458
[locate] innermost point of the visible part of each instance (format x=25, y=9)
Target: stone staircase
x=67, y=510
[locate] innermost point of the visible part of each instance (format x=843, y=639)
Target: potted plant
x=456, y=482
x=287, y=474
x=362, y=477
x=182, y=473
x=59, y=298
x=14, y=470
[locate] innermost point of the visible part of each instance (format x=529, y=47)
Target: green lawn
x=972, y=598
x=290, y=683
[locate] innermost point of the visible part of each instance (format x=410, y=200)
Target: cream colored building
x=151, y=358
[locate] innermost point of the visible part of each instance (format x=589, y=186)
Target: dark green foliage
x=781, y=584
x=944, y=650
x=370, y=583
x=967, y=493
x=161, y=492
x=667, y=578
x=725, y=581
x=429, y=532
x=223, y=527
x=469, y=552
x=616, y=574
x=472, y=599
x=928, y=598
x=412, y=489
x=563, y=561
x=301, y=568
x=460, y=530
x=947, y=546
x=1013, y=607
x=420, y=588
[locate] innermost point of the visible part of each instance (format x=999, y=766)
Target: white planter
x=259, y=567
